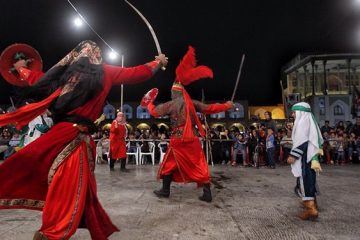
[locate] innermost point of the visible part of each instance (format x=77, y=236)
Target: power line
x=92, y=29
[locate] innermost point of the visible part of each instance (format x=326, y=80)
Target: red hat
x=187, y=71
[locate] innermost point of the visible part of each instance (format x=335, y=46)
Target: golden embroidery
x=81, y=175
x=22, y=202
x=68, y=150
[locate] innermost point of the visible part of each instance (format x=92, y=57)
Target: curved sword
x=150, y=28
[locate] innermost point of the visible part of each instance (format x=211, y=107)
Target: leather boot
x=112, y=162
x=310, y=212
x=207, y=193
x=122, y=165
x=39, y=236
x=303, y=205
x=165, y=190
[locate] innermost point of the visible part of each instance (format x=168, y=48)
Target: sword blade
x=238, y=77
x=148, y=25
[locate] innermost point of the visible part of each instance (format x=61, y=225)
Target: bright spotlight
x=78, y=22
x=113, y=55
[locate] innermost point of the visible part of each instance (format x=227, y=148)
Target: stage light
x=78, y=22
x=113, y=55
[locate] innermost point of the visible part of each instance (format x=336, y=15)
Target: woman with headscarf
x=118, y=133
x=304, y=156
x=55, y=173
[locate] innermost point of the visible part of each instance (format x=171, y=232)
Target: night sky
x=270, y=33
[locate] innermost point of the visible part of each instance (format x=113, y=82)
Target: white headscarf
x=305, y=130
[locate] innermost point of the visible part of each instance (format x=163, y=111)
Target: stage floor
x=248, y=204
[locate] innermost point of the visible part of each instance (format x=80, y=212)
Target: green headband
x=300, y=108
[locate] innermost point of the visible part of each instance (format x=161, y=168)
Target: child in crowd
x=270, y=147
x=239, y=147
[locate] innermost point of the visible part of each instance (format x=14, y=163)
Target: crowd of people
x=234, y=147
x=257, y=146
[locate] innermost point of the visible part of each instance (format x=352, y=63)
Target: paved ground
x=248, y=204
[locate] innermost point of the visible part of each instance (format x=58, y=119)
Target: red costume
x=117, y=140
x=184, y=160
x=118, y=132
x=56, y=172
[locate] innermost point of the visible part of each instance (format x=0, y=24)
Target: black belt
x=80, y=120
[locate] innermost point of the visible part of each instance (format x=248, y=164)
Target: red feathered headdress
x=187, y=71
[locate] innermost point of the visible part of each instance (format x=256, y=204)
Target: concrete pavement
x=248, y=204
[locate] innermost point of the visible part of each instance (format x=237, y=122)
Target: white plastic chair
x=136, y=154
x=162, y=153
x=151, y=153
x=100, y=151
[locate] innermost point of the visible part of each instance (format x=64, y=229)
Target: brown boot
x=39, y=236
x=302, y=204
x=310, y=212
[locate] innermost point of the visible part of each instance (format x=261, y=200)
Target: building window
x=338, y=110
x=128, y=111
x=142, y=113
x=237, y=112
x=109, y=111
x=218, y=115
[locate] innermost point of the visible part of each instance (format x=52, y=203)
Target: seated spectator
x=239, y=147
x=13, y=144
x=104, y=144
x=133, y=145
x=163, y=143
x=286, y=145
x=38, y=126
x=4, y=141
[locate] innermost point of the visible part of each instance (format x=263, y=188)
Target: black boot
x=122, y=165
x=165, y=190
x=207, y=193
x=112, y=162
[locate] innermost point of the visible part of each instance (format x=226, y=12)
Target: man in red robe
x=118, y=132
x=55, y=173
x=184, y=160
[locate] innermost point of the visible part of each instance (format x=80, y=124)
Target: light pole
x=122, y=87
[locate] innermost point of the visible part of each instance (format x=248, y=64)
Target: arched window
x=218, y=115
x=142, y=113
x=128, y=111
x=237, y=112
x=109, y=111
x=338, y=110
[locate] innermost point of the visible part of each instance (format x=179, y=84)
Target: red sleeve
x=215, y=108
x=34, y=77
x=151, y=109
x=28, y=75
x=132, y=75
